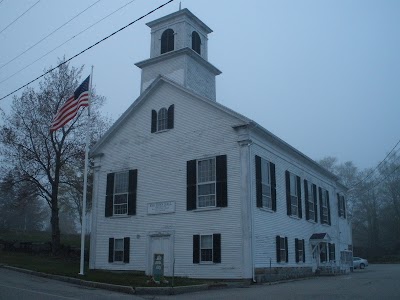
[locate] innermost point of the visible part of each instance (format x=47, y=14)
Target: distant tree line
x=373, y=202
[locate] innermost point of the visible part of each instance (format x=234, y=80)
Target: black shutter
x=191, y=185
x=329, y=208
x=273, y=185
x=300, y=207
x=296, y=249
x=278, y=248
x=304, y=253
x=217, y=248
x=287, y=249
x=338, y=203
x=153, y=121
x=321, y=211
x=306, y=199
x=196, y=249
x=132, y=191
x=344, y=207
x=288, y=199
x=171, y=117
x=110, y=250
x=314, y=191
x=109, y=195
x=258, y=181
x=222, y=185
x=126, y=249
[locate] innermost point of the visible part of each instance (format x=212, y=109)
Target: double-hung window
x=281, y=249
x=118, y=250
x=121, y=193
x=207, y=248
x=341, y=206
x=324, y=206
x=332, y=252
x=299, y=248
x=293, y=195
x=310, y=195
x=265, y=183
x=294, y=198
x=311, y=201
x=206, y=183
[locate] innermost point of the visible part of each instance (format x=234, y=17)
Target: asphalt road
x=20, y=286
x=375, y=282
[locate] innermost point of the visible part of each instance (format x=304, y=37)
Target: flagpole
x=83, y=229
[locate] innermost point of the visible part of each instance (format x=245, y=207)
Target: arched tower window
x=167, y=41
x=196, y=42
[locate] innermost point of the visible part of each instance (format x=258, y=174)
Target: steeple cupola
x=179, y=51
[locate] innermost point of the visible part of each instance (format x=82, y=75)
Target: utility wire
x=19, y=16
x=95, y=44
x=51, y=33
x=20, y=70
x=369, y=174
x=398, y=167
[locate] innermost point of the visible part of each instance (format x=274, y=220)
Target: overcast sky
x=322, y=75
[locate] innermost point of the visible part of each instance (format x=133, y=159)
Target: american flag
x=70, y=108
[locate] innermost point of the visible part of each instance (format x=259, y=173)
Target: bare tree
x=41, y=157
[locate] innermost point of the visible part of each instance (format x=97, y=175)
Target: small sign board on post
x=158, y=267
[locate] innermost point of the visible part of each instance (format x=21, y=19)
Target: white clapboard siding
x=269, y=224
x=199, y=131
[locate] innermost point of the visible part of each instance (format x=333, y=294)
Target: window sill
x=119, y=216
x=267, y=209
x=118, y=263
x=161, y=131
x=311, y=221
x=206, y=209
x=206, y=263
x=325, y=224
x=295, y=217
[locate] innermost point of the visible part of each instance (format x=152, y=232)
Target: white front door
x=161, y=245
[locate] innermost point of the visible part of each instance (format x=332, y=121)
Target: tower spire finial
x=180, y=5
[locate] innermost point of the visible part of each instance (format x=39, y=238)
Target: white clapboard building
x=213, y=192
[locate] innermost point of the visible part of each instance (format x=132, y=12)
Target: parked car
x=359, y=263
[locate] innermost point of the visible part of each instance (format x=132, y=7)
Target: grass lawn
x=72, y=240
x=70, y=268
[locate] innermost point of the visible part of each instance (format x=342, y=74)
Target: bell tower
x=179, y=51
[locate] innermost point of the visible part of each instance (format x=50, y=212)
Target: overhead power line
x=369, y=174
x=386, y=177
x=95, y=44
x=19, y=16
x=51, y=33
x=20, y=70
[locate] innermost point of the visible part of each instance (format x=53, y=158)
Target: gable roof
x=143, y=96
